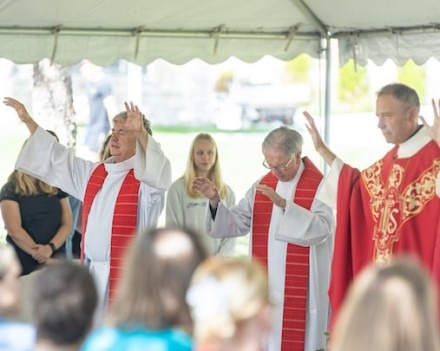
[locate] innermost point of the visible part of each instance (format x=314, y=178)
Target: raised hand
x=18, y=107
x=22, y=113
x=313, y=130
x=319, y=144
x=434, y=130
x=134, y=121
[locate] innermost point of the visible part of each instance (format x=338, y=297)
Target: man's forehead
x=118, y=125
x=388, y=100
x=273, y=149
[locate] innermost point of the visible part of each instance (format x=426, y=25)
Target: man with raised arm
x=121, y=195
x=391, y=208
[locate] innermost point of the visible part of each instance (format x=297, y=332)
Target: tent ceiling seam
x=305, y=9
x=156, y=33
x=435, y=27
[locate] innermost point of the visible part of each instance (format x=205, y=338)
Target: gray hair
x=284, y=139
x=145, y=121
x=401, y=92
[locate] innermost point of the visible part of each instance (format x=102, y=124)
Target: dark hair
x=64, y=301
x=157, y=273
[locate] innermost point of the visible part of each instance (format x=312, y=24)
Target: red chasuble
x=390, y=208
x=297, y=258
x=124, y=218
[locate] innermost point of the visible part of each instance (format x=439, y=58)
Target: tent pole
x=327, y=93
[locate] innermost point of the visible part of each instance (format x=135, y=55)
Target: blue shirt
x=117, y=339
x=16, y=336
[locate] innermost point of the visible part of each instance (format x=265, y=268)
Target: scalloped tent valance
x=141, y=31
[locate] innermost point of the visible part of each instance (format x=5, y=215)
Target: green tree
x=414, y=76
x=298, y=69
x=353, y=86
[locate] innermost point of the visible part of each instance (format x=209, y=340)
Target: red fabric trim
x=297, y=258
x=124, y=219
x=123, y=226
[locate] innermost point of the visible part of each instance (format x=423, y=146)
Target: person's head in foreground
x=389, y=308
x=157, y=273
x=64, y=301
x=230, y=305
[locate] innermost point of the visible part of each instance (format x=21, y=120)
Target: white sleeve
x=152, y=167
x=327, y=192
x=174, y=215
x=44, y=158
x=232, y=222
x=303, y=227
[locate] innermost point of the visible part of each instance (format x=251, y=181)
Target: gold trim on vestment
x=391, y=207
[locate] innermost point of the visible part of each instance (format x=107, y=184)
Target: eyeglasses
x=281, y=167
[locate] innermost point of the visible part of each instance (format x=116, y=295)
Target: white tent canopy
x=141, y=31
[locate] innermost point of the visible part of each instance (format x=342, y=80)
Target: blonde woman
x=186, y=207
x=391, y=308
x=230, y=305
x=37, y=219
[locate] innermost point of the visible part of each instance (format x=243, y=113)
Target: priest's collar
x=111, y=166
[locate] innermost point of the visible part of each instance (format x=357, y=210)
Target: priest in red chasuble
x=291, y=235
x=391, y=208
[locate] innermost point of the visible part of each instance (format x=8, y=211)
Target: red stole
x=297, y=258
x=124, y=218
x=390, y=208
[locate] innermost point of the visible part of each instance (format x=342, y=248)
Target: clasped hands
x=41, y=253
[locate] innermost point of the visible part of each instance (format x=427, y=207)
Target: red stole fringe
x=297, y=258
x=124, y=219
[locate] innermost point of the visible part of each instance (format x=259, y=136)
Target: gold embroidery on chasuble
x=391, y=207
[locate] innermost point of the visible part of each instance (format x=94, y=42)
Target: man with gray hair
x=122, y=195
x=391, y=208
x=291, y=235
